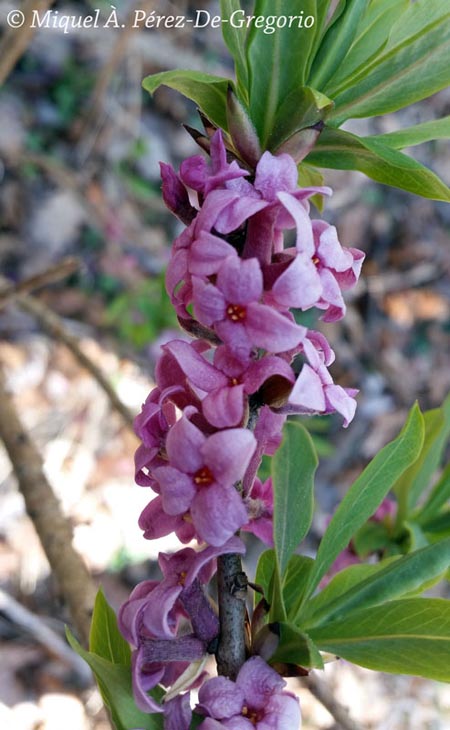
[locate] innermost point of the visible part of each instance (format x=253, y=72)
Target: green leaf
x=114, y=681
x=293, y=469
x=295, y=582
x=418, y=134
x=295, y=579
x=439, y=496
x=296, y=647
x=303, y=107
x=367, y=492
x=336, y=43
x=277, y=61
x=416, y=479
x=344, y=151
x=438, y=527
x=207, y=91
x=410, y=636
x=400, y=577
x=105, y=639
x=413, y=66
x=235, y=40
x=371, y=538
x=370, y=38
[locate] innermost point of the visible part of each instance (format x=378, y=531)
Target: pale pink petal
x=220, y=698
x=271, y=330
x=183, y=446
x=217, y=513
x=199, y=371
x=305, y=238
x=299, y=285
x=224, y=407
x=207, y=254
x=307, y=393
x=275, y=174
x=209, y=302
x=340, y=401
x=258, y=682
x=177, y=490
x=228, y=453
x=240, y=281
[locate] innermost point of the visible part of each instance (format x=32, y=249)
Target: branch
x=232, y=591
x=9, y=290
x=44, y=635
x=54, y=327
x=54, y=530
x=322, y=692
x=16, y=40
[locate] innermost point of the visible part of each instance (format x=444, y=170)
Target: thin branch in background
x=53, y=528
x=64, y=268
x=320, y=690
x=16, y=40
x=36, y=627
x=54, y=327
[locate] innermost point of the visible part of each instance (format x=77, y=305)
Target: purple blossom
x=256, y=700
x=200, y=477
x=232, y=306
x=259, y=504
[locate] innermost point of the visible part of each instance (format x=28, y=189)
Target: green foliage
x=293, y=469
x=209, y=92
x=141, y=314
x=369, y=57
x=367, y=492
x=110, y=660
x=409, y=636
x=345, y=151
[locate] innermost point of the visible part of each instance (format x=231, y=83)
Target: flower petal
x=220, y=698
x=228, y=453
x=183, y=444
x=217, y=513
x=177, y=489
x=272, y=330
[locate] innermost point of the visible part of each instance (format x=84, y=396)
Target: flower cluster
x=219, y=405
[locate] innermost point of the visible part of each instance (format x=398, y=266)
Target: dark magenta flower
x=256, y=700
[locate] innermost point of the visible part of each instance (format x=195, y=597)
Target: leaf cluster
x=297, y=86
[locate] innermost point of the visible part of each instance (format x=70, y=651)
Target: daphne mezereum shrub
x=252, y=257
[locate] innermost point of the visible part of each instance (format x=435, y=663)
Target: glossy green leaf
x=295, y=582
x=410, y=636
x=105, y=639
x=341, y=150
x=416, y=480
x=309, y=176
x=370, y=39
x=418, y=134
x=438, y=528
x=339, y=584
x=440, y=495
x=296, y=647
x=367, y=492
x=400, y=577
x=413, y=65
x=303, y=107
x=293, y=469
x=235, y=40
x=415, y=537
x=114, y=681
x=336, y=43
x=208, y=92
x=277, y=61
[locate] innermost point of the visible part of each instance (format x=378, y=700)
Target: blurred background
x=80, y=144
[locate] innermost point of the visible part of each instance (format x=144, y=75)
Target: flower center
x=203, y=477
x=236, y=312
x=182, y=578
x=253, y=715
x=315, y=260
x=234, y=381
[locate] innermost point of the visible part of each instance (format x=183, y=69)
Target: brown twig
x=9, y=290
x=231, y=588
x=16, y=40
x=320, y=690
x=44, y=509
x=54, y=327
x=44, y=635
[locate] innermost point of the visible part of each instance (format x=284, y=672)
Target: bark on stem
x=232, y=590
x=232, y=593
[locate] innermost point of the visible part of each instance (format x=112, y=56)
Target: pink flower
x=232, y=306
x=255, y=700
x=200, y=477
